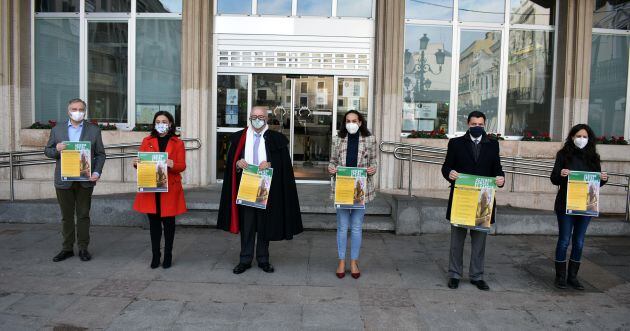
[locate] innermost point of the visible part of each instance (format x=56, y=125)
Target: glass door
x=312, y=126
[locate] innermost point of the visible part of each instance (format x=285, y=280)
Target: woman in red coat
x=161, y=208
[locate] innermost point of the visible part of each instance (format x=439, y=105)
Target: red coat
x=172, y=203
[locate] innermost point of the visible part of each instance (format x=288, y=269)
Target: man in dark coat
x=281, y=220
x=474, y=154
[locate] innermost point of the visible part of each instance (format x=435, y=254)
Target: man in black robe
x=281, y=220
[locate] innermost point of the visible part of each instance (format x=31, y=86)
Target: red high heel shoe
x=340, y=274
x=356, y=275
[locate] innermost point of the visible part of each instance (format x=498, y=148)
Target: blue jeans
x=354, y=219
x=571, y=228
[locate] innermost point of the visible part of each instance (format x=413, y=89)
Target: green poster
x=350, y=187
x=473, y=200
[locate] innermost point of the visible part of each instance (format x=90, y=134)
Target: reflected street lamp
x=422, y=67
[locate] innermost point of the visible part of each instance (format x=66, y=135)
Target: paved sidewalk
x=403, y=285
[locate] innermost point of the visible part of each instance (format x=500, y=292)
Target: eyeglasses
x=260, y=117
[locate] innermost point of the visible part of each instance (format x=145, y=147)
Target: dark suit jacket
x=460, y=158
x=91, y=133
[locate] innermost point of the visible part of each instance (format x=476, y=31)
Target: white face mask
x=257, y=123
x=77, y=116
x=580, y=142
x=162, y=128
x=352, y=128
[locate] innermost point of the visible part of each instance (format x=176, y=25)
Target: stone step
x=427, y=215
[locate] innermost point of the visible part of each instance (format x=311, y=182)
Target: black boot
x=156, y=238
x=561, y=275
x=169, y=236
x=155, y=261
x=572, y=276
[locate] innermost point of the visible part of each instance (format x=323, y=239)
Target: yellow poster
x=253, y=191
x=152, y=171
x=350, y=187
x=473, y=200
x=464, y=206
x=344, y=190
x=70, y=163
x=576, y=195
x=146, y=175
x=583, y=193
x=248, y=190
x=76, y=161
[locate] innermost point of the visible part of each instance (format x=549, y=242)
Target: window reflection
x=158, y=67
x=488, y=11
x=479, y=63
x=612, y=14
x=528, y=110
x=159, y=6
x=314, y=8
x=429, y=10
x=608, y=87
x=109, y=6
x=56, y=67
x=107, y=71
x=234, y=7
x=57, y=6
x=354, y=8
x=536, y=12
x=274, y=7
x=427, y=78
x=352, y=94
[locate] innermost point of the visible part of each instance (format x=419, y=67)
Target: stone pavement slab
x=402, y=287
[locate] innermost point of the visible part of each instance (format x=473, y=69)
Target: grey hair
x=77, y=100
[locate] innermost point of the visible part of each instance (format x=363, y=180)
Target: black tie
x=476, y=149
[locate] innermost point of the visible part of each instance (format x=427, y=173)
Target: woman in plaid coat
x=354, y=146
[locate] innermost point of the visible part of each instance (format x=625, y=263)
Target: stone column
x=388, y=87
x=9, y=58
x=197, y=25
x=573, y=65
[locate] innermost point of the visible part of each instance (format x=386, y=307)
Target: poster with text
x=350, y=187
x=473, y=200
x=76, y=161
x=583, y=193
x=253, y=190
x=152, y=172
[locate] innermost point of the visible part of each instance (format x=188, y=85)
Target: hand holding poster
x=583, y=193
x=76, y=161
x=254, y=188
x=350, y=188
x=473, y=199
x=152, y=172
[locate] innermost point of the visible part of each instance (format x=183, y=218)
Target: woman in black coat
x=577, y=154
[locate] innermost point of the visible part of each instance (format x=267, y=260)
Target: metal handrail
x=435, y=155
x=15, y=158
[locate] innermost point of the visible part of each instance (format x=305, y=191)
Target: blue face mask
x=476, y=131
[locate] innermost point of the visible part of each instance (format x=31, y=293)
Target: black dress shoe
x=481, y=284
x=453, y=283
x=266, y=267
x=63, y=255
x=84, y=255
x=241, y=267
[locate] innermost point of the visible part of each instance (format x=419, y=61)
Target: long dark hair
x=171, y=120
x=569, y=150
x=343, y=132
